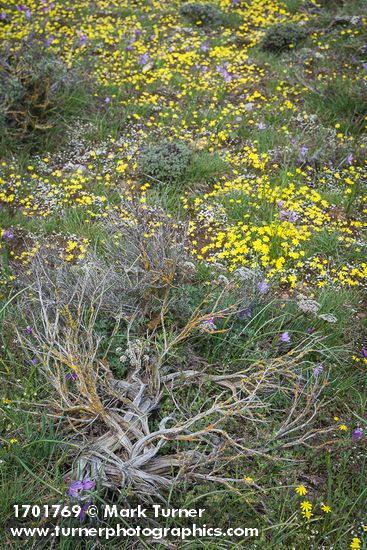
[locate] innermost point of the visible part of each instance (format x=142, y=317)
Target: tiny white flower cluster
x=136, y=354
x=306, y=305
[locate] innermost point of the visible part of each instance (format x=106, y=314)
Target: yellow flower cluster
x=208, y=89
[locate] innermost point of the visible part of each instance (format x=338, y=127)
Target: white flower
x=308, y=306
x=328, y=318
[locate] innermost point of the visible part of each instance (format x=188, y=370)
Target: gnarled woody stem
x=118, y=444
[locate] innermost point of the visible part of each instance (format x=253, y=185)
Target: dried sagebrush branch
x=113, y=420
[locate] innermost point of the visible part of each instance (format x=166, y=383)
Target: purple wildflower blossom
x=7, y=234
x=144, y=58
x=285, y=338
x=49, y=40
x=262, y=287
x=28, y=329
x=318, y=370
x=224, y=72
x=364, y=352
x=46, y=6
x=358, y=434
x=76, y=487
x=261, y=126
x=72, y=376
x=350, y=159
x=88, y=484
x=84, y=510
x=290, y=216
x=303, y=152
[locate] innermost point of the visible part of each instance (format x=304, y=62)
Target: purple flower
x=290, y=216
x=261, y=126
x=223, y=71
x=310, y=330
x=83, y=39
x=72, y=376
x=204, y=47
x=358, y=434
x=83, y=510
x=262, y=287
x=210, y=323
x=3, y=16
x=364, y=66
x=28, y=329
x=364, y=352
x=303, y=152
x=284, y=337
x=280, y=204
x=27, y=12
x=76, y=487
x=47, y=7
x=350, y=159
x=7, y=234
x=318, y=370
x=49, y=40
x=107, y=100
x=88, y=484
x=144, y=58
x=34, y=360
